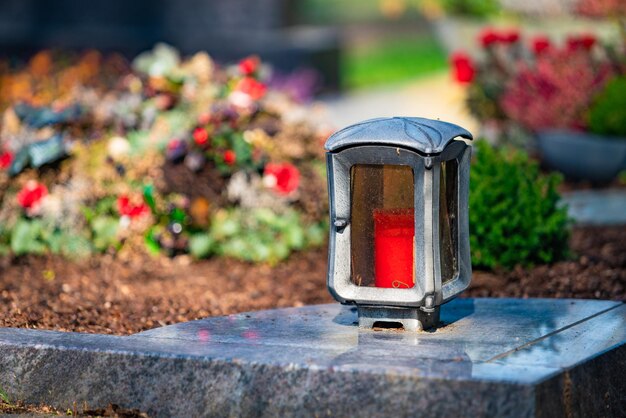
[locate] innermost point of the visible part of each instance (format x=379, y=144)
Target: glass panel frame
x=339, y=267
x=448, y=220
x=447, y=290
x=426, y=192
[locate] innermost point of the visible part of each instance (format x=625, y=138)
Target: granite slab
x=492, y=357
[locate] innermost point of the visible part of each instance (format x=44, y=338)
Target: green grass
x=4, y=397
x=392, y=60
x=337, y=11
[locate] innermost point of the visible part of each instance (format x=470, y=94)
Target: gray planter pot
x=583, y=156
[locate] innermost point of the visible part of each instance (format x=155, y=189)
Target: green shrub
x=514, y=213
x=607, y=115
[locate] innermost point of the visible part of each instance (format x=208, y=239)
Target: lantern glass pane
x=382, y=226
x=448, y=219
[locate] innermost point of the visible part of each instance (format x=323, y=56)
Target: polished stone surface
x=492, y=357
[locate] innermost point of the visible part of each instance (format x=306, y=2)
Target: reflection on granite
x=493, y=357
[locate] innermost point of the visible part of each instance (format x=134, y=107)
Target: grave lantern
x=399, y=232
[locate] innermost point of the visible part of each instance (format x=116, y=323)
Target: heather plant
x=536, y=85
x=515, y=216
x=555, y=90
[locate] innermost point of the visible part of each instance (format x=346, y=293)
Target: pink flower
x=253, y=88
x=463, y=69
x=283, y=178
x=31, y=196
x=204, y=118
x=6, y=158
x=249, y=65
x=131, y=208
x=230, y=157
x=200, y=136
x=540, y=44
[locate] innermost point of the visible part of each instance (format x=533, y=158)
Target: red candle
x=394, y=232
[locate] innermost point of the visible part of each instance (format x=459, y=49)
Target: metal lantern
x=399, y=230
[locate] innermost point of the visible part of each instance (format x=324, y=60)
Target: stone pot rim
x=579, y=134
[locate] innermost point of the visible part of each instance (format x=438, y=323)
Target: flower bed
x=164, y=155
x=539, y=85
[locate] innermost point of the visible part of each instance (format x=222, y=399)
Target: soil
x=114, y=411
x=111, y=296
x=570, y=185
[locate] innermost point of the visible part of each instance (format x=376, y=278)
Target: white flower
x=270, y=181
x=118, y=147
x=241, y=100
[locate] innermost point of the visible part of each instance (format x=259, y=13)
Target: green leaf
x=54, y=241
x=151, y=243
x=4, y=397
x=104, y=232
x=295, y=236
x=178, y=215
x=75, y=246
x=25, y=238
x=200, y=245
x=148, y=196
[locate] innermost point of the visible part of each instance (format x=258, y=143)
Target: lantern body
x=399, y=239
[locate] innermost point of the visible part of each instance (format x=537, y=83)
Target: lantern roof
x=427, y=136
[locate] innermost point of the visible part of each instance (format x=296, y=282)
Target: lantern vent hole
x=388, y=325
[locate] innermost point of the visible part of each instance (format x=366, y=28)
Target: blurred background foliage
x=176, y=151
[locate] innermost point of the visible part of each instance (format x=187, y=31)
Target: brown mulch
x=597, y=271
x=114, y=411
x=570, y=185
x=107, y=295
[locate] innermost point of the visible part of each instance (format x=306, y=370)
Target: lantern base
x=409, y=319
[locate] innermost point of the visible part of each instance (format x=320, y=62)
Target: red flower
x=488, y=37
x=462, y=67
x=249, y=65
x=540, y=44
x=6, y=158
x=31, y=195
x=230, y=157
x=510, y=37
x=283, y=178
x=200, y=136
x=585, y=41
x=132, y=209
x=255, y=89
